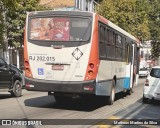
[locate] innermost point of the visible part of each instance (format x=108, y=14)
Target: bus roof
x=114, y=26
x=52, y=12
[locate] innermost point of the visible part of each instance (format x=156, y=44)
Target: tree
x=154, y=24
x=1, y=29
x=5, y=5
x=131, y=15
x=16, y=20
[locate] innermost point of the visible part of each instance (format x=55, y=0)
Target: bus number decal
x=41, y=58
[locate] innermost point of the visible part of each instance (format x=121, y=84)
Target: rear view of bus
x=57, y=52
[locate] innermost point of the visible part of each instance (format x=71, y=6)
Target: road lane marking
x=101, y=124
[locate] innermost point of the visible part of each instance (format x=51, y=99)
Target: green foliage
x=154, y=25
x=9, y=4
x=5, y=6
x=155, y=49
x=16, y=20
x=15, y=12
x=1, y=28
x=131, y=15
x=141, y=18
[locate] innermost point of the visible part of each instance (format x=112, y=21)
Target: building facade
x=83, y=5
x=145, y=60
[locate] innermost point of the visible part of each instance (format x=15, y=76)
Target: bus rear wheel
x=129, y=92
x=111, y=98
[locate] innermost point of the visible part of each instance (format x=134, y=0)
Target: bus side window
x=123, y=48
x=129, y=53
x=102, y=48
x=110, y=44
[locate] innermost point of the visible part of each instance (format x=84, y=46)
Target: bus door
x=132, y=67
x=136, y=62
x=129, y=66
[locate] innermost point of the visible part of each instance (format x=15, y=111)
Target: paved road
x=37, y=105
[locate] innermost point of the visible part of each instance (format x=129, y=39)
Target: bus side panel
x=132, y=67
x=119, y=86
x=127, y=83
x=127, y=79
x=103, y=88
x=107, y=71
x=129, y=68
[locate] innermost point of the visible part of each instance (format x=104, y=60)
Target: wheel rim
x=18, y=88
x=113, y=94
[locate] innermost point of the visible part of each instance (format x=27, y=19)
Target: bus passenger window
x=102, y=45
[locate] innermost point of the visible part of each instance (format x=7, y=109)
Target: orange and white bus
x=78, y=53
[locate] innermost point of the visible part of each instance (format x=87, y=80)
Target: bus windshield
x=60, y=29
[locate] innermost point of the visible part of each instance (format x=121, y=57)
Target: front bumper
x=152, y=96
x=79, y=87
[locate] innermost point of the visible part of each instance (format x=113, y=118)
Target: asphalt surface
x=81, y=113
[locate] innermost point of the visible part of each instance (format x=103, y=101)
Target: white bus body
x=69, y=52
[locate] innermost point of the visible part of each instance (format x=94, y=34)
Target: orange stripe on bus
x=28, y=74
x=94, y=55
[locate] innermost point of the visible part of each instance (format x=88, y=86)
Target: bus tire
x=111, y=98
x=17, y=89
x=130, y=91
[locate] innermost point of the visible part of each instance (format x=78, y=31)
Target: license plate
x=57, y=67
